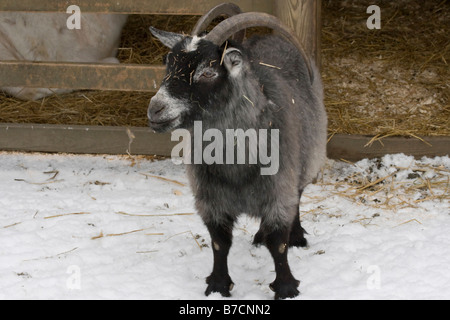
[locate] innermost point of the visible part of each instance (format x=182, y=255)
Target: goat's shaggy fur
x=262, y=84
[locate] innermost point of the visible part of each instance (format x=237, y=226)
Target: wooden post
x=171, y=7
x=304, y=17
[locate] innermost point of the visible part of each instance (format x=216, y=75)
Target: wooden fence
x=127, y=77
x=302, y=15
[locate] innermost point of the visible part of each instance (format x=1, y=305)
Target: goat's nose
x=155, y=110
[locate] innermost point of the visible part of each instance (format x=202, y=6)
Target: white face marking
x=173, y=107
x=193, y=45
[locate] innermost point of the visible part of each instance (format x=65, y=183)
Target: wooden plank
x=304, y=17
x=118, y=140
x=95, y=76
x=83, y=139
x=354, y=148
x=188, y=7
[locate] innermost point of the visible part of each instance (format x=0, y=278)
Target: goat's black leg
x=259, y=238
x=285, y=285
x=297, y=236
x=221, y=239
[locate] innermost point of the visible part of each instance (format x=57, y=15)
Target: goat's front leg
x=285, y=285
x=221, y=239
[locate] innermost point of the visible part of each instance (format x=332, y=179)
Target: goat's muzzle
x=160, y=118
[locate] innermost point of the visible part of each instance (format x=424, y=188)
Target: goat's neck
x=243, y=107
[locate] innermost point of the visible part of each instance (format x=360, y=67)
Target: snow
x=104, y=227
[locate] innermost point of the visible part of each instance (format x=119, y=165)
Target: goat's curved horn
x=224, y=9
x=234, y=24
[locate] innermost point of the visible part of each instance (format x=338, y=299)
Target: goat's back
x=286, y=82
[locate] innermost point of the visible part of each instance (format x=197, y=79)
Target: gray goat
x=265, y=82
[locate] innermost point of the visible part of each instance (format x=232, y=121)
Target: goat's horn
x=224, y=9
x=234, y=24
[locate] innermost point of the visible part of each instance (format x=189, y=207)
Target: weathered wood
x=354, y=148
x=188, y=7
x=119, y=140
x=83, y=139
x=304, y=17
x=95, y=76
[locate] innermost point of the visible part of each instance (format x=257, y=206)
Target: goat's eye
x=208, y=74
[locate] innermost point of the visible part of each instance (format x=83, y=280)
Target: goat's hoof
x=298, y=241
x=221, y=285
x=297, y=238
x=285, y=290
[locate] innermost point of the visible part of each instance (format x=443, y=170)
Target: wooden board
x=354, y=148
x=94, y=76
x=83, y=139
x=304, y=17
x=188, y=7
x=119, y=140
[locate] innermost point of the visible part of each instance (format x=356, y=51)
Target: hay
x=392, y=81
x=101, y=235
x=403, y=187
x=66, y=214
x=102, y=108
x=163, y=179
x=154, y=215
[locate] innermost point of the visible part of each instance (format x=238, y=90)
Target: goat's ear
x=169, y=39
x=233, y=61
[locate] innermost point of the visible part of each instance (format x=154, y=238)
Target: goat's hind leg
x=297, y=233
x=297, y=236
x=221, y=239
x=285, y=285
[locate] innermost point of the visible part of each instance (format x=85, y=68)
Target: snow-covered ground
x=105, y=227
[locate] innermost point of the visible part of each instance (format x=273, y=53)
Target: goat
x=264, y=83
x=45, y=37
